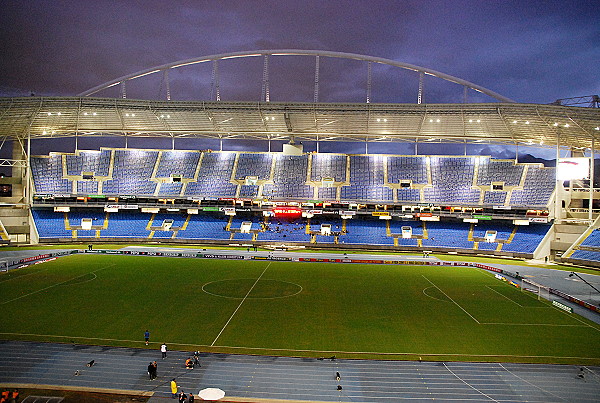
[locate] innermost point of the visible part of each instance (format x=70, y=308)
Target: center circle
x=263, y=289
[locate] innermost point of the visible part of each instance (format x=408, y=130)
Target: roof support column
x=592, y=187
x=420, y=96
x=558, y=185
x=316, y=93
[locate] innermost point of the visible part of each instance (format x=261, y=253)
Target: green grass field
x=284, y=308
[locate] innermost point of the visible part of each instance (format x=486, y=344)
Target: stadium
x=292, y=237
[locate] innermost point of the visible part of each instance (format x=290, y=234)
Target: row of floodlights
x=95, y=114
x=267, y=118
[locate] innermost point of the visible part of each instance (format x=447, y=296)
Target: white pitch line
x=531, y=324
x=455, y=303
x=502, y=295
x=575, y=317
x=238, y=307
x=54, y=285
x=24, y=275
x=309, y=350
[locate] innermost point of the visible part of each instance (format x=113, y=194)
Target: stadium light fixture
x=582, y=279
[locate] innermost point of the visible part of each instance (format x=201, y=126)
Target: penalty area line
x=54, y=285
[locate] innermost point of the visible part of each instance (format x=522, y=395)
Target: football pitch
x=287, y=308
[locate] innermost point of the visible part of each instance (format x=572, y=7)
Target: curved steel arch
x=297, y=52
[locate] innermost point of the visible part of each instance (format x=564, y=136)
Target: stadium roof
x=497, y=123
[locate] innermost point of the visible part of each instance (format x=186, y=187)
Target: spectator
x=150, y=371
x=173, y=388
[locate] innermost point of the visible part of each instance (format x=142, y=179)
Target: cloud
x=534, y=51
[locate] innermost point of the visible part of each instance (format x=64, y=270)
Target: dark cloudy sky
x=530, y=51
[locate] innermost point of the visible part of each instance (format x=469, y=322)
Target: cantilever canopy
x=498, y=123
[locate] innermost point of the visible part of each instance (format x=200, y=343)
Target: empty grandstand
x=465, y=203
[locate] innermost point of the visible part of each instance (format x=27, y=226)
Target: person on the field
x=163, y=350
x=147, y=336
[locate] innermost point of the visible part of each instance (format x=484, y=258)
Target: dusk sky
x=530, y=51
